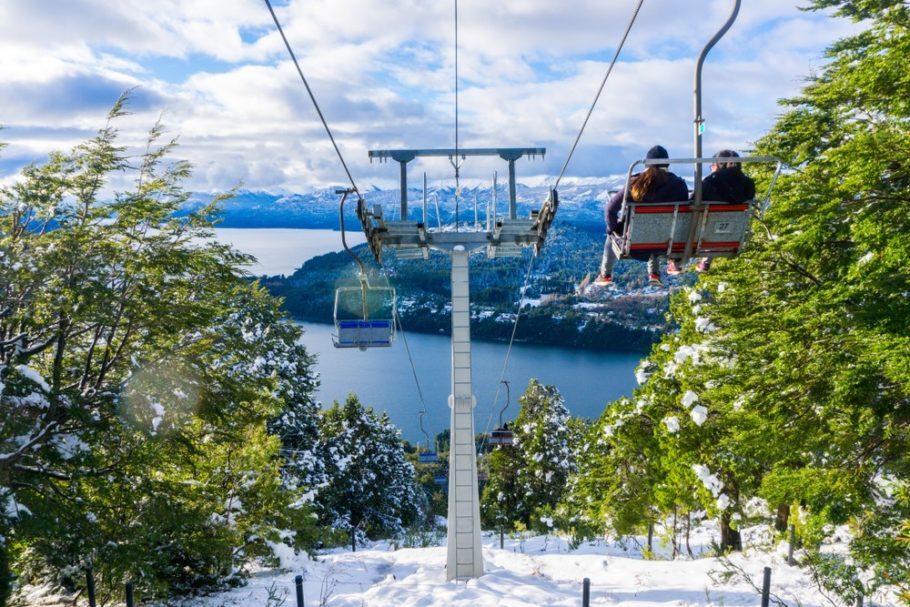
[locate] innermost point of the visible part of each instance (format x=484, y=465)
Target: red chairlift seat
x=681, y=230
x=664, y=229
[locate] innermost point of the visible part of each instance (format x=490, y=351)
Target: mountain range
x=581, y=203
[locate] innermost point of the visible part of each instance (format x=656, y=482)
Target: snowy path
x=537, y=571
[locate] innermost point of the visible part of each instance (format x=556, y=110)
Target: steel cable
x=312, y=97
x=599, y=91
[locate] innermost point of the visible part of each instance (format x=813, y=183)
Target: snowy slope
x=535, y=571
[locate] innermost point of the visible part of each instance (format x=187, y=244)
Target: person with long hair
x=654, y=184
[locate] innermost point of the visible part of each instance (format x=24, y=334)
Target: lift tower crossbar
x=403, y=157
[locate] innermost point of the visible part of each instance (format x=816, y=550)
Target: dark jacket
x=674, y=189
x=728, y=185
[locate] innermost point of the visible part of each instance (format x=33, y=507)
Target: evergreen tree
x=139, y=368
x=370, y=485
x=527, y=479
x=501, y=497
x=789, y=377
x=830, y=375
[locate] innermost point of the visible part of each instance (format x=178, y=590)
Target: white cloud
x=383, y=74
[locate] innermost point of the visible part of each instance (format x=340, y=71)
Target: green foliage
x=799, y=349
x=139, y=369
x=501, y=496
x=370, y=485
x=527, y=480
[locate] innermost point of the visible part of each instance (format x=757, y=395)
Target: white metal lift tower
x=505, y=237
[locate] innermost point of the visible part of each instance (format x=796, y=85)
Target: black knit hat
x=658, y=151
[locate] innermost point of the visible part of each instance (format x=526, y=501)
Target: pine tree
x=831, y=373
x=528, y=479
x=501, y=496
x=370, y=485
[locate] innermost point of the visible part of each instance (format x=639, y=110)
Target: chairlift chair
x=428, y=456
x=684, y=229
x=364, y=315
x=502, y=435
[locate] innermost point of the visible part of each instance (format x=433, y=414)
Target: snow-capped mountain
x=581, y=202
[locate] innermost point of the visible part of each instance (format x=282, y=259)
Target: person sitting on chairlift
x=655, y=184
x=726, y=183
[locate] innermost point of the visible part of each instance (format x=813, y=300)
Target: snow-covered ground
x=536, y=571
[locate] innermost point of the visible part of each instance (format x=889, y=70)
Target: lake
x=283, y=250
x=382, y=377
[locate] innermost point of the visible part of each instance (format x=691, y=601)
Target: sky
x=217, y=74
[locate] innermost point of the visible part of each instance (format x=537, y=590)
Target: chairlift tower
x=504, y=237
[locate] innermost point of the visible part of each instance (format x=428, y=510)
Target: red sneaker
x=654, y=279
x=604, y=280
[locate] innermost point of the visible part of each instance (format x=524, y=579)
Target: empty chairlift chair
x=364, y=317
x=425, y=457
x=502, y=436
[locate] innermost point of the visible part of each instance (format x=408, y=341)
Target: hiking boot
x=654, y=280
x=672, y=268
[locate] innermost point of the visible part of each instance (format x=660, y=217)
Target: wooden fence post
x=90, y=586
x=298, y=582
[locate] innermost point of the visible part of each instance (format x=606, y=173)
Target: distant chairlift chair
x=425, y=457
x=502, y=435
x=685, y=229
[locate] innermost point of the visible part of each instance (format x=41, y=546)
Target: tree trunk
x=729, y=537
x=6, y=578
x=650, y=537
x=783, y=518
x=688, y=532
x=675, y=545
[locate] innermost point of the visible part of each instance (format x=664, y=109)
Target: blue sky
x=219, y=77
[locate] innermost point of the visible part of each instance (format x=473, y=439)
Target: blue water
x=588, y=380
x=283, y=250
x=382, y=377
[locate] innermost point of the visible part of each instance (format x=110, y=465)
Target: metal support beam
x=513, y=197
x=504, y=153
x=464, y=559
x=699, y=124
x=508, y=237
x=404, y=190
